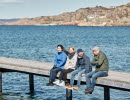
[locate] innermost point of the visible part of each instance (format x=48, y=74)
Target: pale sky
x=35, y=8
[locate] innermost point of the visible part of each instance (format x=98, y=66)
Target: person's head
x=96, y=50
x=60, y=48
x=80, y=52
x=72, y=49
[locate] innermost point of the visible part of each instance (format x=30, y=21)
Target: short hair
x=96, y=48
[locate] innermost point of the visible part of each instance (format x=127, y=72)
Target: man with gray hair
x=102, y=66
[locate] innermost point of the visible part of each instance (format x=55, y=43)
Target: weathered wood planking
x=115, y=79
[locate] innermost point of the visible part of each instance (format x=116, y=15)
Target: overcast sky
x=35, y=8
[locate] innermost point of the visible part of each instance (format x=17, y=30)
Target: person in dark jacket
x=83, y=66
x=102, y=66
x=59, y=62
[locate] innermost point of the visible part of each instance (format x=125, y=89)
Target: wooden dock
x=115, y=80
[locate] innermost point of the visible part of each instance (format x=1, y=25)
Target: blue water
x=39, y=43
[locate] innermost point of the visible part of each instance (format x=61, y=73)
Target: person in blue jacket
x=59, y=62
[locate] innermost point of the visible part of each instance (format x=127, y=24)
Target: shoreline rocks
x=95, y=16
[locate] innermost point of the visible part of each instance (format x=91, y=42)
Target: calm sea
x=38, y=43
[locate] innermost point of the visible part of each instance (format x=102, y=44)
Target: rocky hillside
x=96, y=16
x=2, y=21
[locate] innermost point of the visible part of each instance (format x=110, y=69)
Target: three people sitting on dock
x=69, y=67
x=83, y=66
x=59, y=62
x=102, y=66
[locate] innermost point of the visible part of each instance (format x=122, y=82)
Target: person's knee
x=88, y=76
x=94, y=77
x=72, y=74
x=106, y=74
x=63, y=71
x=79, y=74
x=56, y=70
x=51, y=70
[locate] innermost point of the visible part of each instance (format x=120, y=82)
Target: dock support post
x=0, y=83
x=68, y=94
x=31, y=83
x=106, y=93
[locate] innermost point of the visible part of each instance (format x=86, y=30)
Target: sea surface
x=38, y=43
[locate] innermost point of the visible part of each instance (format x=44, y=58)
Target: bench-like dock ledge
x=115, y=80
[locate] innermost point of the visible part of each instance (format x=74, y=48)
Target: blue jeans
x=94, y=75
x=53, y=73
x=79, y=72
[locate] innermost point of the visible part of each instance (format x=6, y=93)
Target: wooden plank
x=25, y=63
x=115, y=79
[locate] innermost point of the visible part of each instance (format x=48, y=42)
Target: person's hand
x=54, y=67
x=83, y=75
x=66, y=68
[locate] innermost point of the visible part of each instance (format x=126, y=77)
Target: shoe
x=50, y=84
x=88, y=91
x=62, y=84
x=69, y=87
x=56, y=82
x=76, y=88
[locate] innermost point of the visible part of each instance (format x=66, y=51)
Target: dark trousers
x=53, y=73
x=63, y=74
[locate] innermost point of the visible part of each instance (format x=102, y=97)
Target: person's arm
x=75, y=61
x=63, y=60
x=66, y=64
x=101, y=59
x=76, y=66
x=94, y=62
x=55, y=60
x=87, y=64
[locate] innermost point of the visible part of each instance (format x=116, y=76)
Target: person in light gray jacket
x=69, y=67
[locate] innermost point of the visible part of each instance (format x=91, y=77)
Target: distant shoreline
x=84, y=17
x=65, y=25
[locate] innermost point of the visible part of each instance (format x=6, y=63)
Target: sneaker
x=76, y=88
x=50, y=84
x=69, y=87
x=56, y=82
x=88, y=91
x=62, y=84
